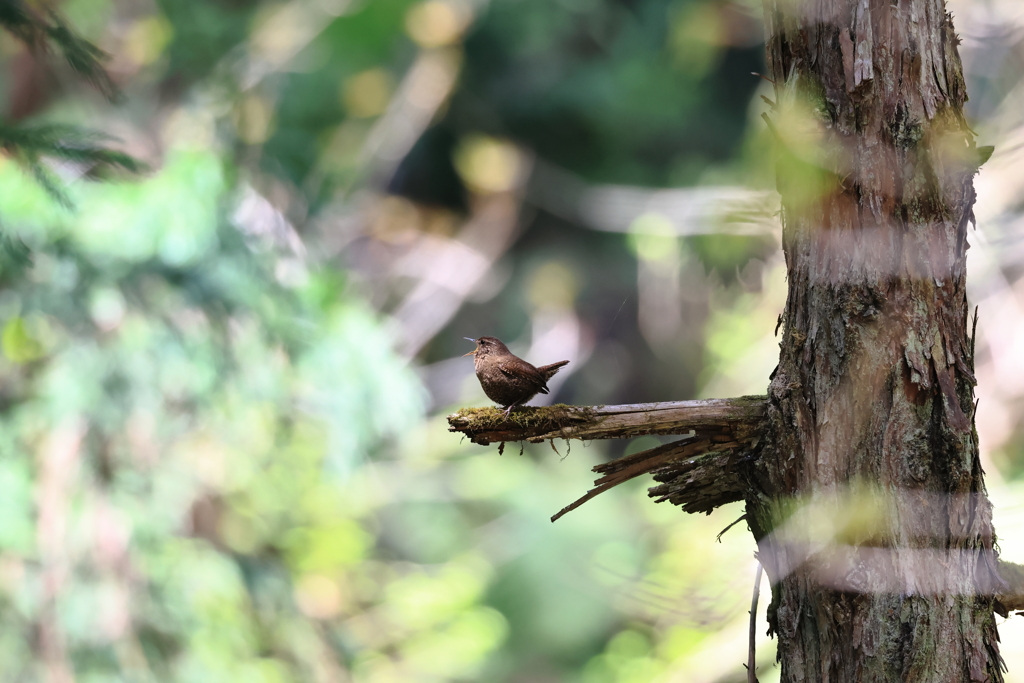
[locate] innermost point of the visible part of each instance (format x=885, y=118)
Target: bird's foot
x=509, y=410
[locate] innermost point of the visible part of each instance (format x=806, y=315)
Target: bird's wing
x=521, y=371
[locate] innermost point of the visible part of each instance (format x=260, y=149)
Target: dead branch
x=698, y=473
x=722, y=416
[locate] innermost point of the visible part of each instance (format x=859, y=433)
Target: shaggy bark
x=874, y=388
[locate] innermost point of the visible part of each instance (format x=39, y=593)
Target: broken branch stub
x=698, y=473
x=488, y=425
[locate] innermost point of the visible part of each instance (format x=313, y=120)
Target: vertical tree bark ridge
x=875, y=378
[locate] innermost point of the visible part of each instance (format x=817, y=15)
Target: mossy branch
x=487, y=425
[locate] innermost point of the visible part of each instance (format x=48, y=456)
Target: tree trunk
x=871, y=513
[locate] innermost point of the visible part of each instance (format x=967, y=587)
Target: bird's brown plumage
x=507, y=379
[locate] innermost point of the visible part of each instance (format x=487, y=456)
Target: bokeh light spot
x=254, y=118
x=107, y=308
x=652, y=237
x=436, y=22
x=146, y=39
x=554, y=285
x=367, y=93
x=318, y=596
x=487, y=164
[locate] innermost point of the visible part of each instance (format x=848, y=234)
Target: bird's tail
x=549, y=370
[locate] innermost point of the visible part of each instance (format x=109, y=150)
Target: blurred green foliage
x=208, y=401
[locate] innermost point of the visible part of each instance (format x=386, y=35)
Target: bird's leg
x=509, y=409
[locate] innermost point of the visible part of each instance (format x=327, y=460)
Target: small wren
x=507, y=379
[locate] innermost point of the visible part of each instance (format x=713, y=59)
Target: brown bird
x=507, y=379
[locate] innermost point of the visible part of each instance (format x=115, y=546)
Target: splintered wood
x=697, y=473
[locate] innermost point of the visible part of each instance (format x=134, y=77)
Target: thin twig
x=751, y=676
x=974, y=332
x=720, y=533
x=580, y=501
x=771, y=126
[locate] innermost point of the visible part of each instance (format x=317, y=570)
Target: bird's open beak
x=471, y=353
